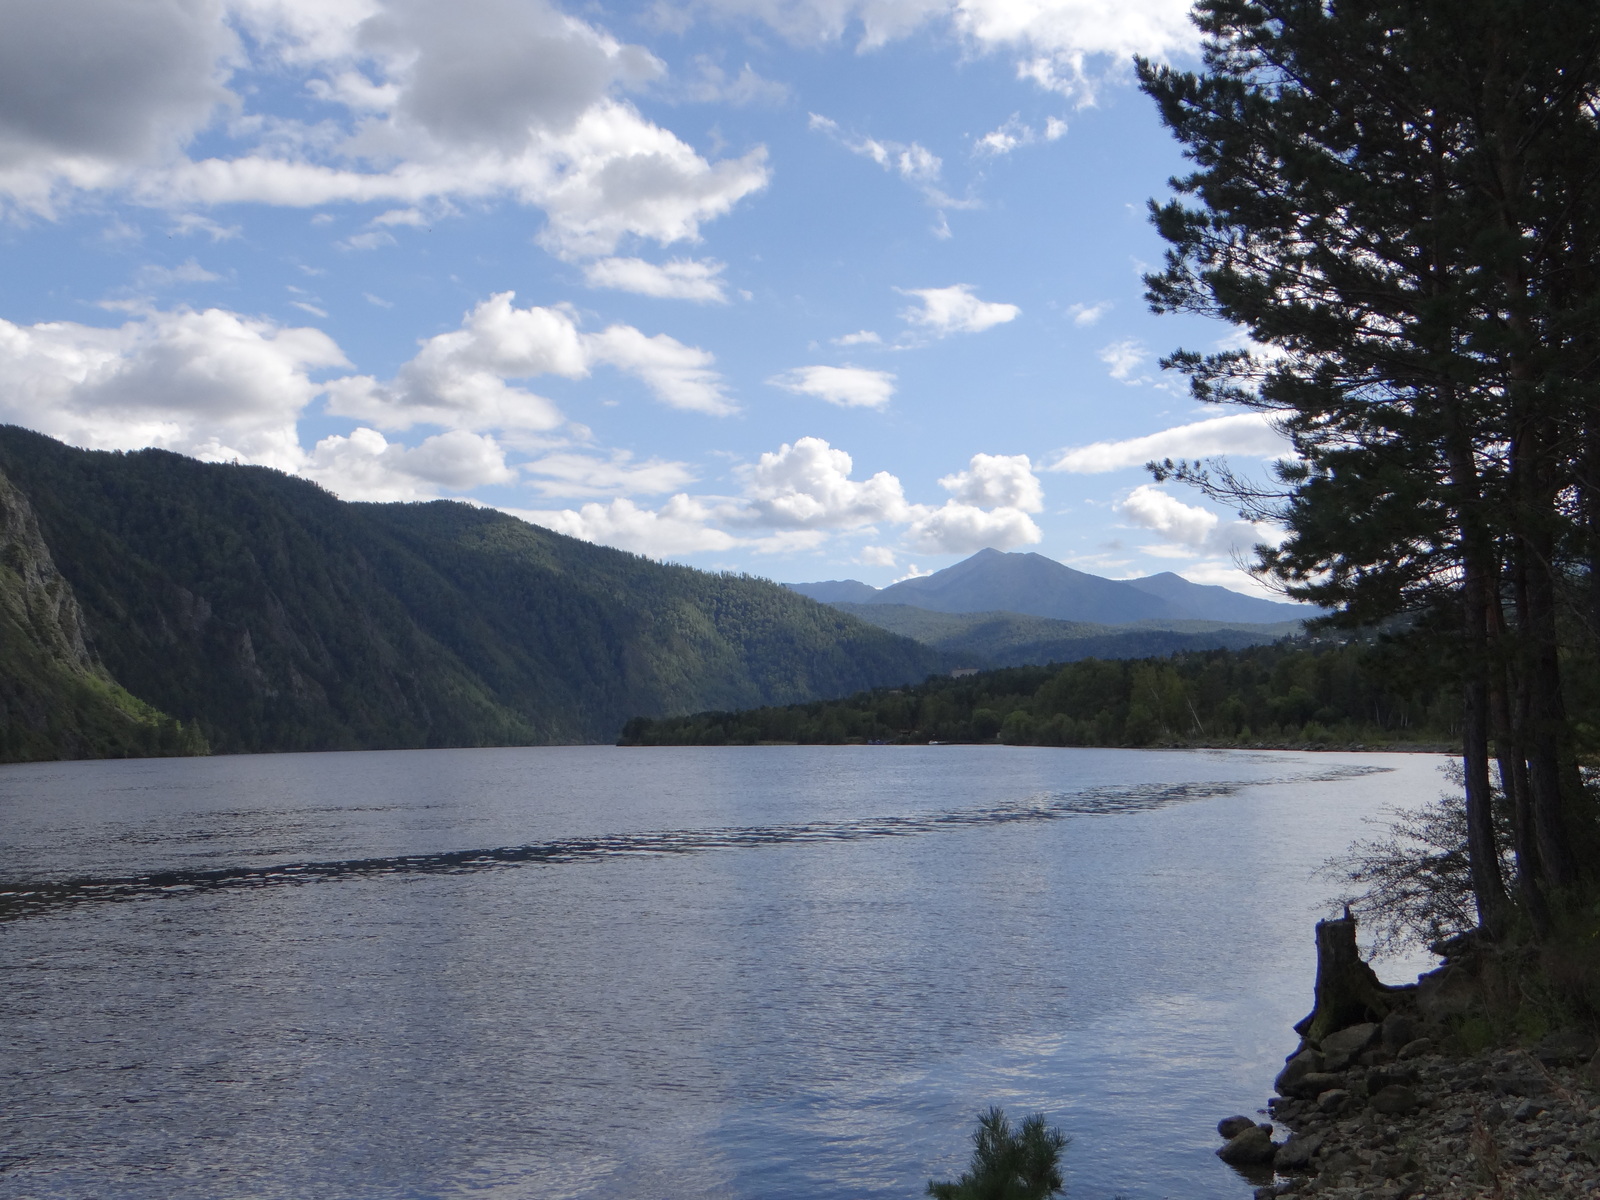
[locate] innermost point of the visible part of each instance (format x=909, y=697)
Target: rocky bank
x=1389, y=1105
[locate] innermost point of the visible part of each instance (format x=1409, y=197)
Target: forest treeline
x=1301, y=693
x=253, y=611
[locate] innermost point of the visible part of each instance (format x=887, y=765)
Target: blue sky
x=806, y=288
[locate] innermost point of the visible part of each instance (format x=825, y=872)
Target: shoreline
x=1400, y=1106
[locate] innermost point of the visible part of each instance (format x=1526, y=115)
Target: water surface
x=653, y=974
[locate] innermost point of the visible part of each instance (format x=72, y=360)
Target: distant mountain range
x=152, y=604
x=1003, y=639
x=1032, y=585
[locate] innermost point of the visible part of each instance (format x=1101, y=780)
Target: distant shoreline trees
x=1400, y=203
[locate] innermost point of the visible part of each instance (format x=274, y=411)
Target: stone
x=1340, y=1049
x=1397, y=1029
x=1566, y=1047
x=1296, y=1153
x=1333, y=1100
x=1526, y=1111
x=1420, y=1048
x=1232, y=1127
x=1252, y=1148
x=1381, y=1077
x=1395, y=1100
x=1312, y=1085
x=1300, y=1065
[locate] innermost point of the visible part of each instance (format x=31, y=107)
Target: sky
x=810, y=289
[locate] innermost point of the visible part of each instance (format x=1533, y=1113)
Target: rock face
x=32, y=592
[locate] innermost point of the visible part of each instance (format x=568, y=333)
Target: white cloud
x=958, y=528
x=570, y=474
x=679, y=375
x=1243, y=433
x=188, y=271
x=1068, y=46
x=1054, y=129
x=461, y=379
x=475, y=99
x=210, y=384
x=848, y=387
x=863, y=337
x=955, y=309
x=1013, y=133
x=366, y=466
x=90, y=89
x=876, y=556
x=679, y=527
x=997, y=480
x=1189, y=530
x=745, y=88
x=678, y=279
x=808, y=486
x=912, y=162
x=1124, y=358
x=1088, y=314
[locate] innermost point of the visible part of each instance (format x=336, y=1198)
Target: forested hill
x=270, y=615
x=1287, y=694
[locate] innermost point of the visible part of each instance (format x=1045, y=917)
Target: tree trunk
x=1348, y=990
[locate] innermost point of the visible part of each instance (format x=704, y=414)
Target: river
x=583, y=972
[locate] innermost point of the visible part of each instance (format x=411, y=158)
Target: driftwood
x=1348, y=990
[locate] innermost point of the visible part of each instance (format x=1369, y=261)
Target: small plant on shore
x=1008, y=1164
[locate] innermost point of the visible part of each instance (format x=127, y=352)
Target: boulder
x=1252, y=1148
x=1333, y=1100
x=1314, y=1083
x=1396, y=1100
x=1420, y=1048
x=1567, y=1047
x=1397, y=1029
x=1299, y=1066
x=1339, y=1049
x=1381, y=1077
x=1232, y=1127
x=1296, y=1153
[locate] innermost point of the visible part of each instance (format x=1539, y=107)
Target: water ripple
x=27, y=899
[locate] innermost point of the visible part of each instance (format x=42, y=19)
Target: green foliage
x=1007, y=1164
x=1284, y=694
x=276, y=617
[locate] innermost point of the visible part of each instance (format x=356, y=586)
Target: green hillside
x=56, y=699
x=274, y=616
x=1287, y=694
x=1007, y=639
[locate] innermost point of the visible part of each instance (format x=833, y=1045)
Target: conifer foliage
x=1399, y=202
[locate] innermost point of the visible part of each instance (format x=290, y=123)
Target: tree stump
x=1348, y=990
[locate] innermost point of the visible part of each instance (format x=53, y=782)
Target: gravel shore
x=1419, y=1125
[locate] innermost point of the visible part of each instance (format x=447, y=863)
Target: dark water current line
x=18, y=900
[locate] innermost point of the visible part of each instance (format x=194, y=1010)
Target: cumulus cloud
x=427, y=101
x=679, y=279
x=211, y=384
x=997, y=480
x=679, y=375
x=1248, y=433
x=848, y=387
x=367, y=466
x=1088, y=314
x=92, y=88
x=462, y=379
x=573, y=474
x=955, y=309
x=1014, y=133
x=862, y=337
x=680, y=526
x=1187, y=529
x=807, y=485
x=958, y=528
